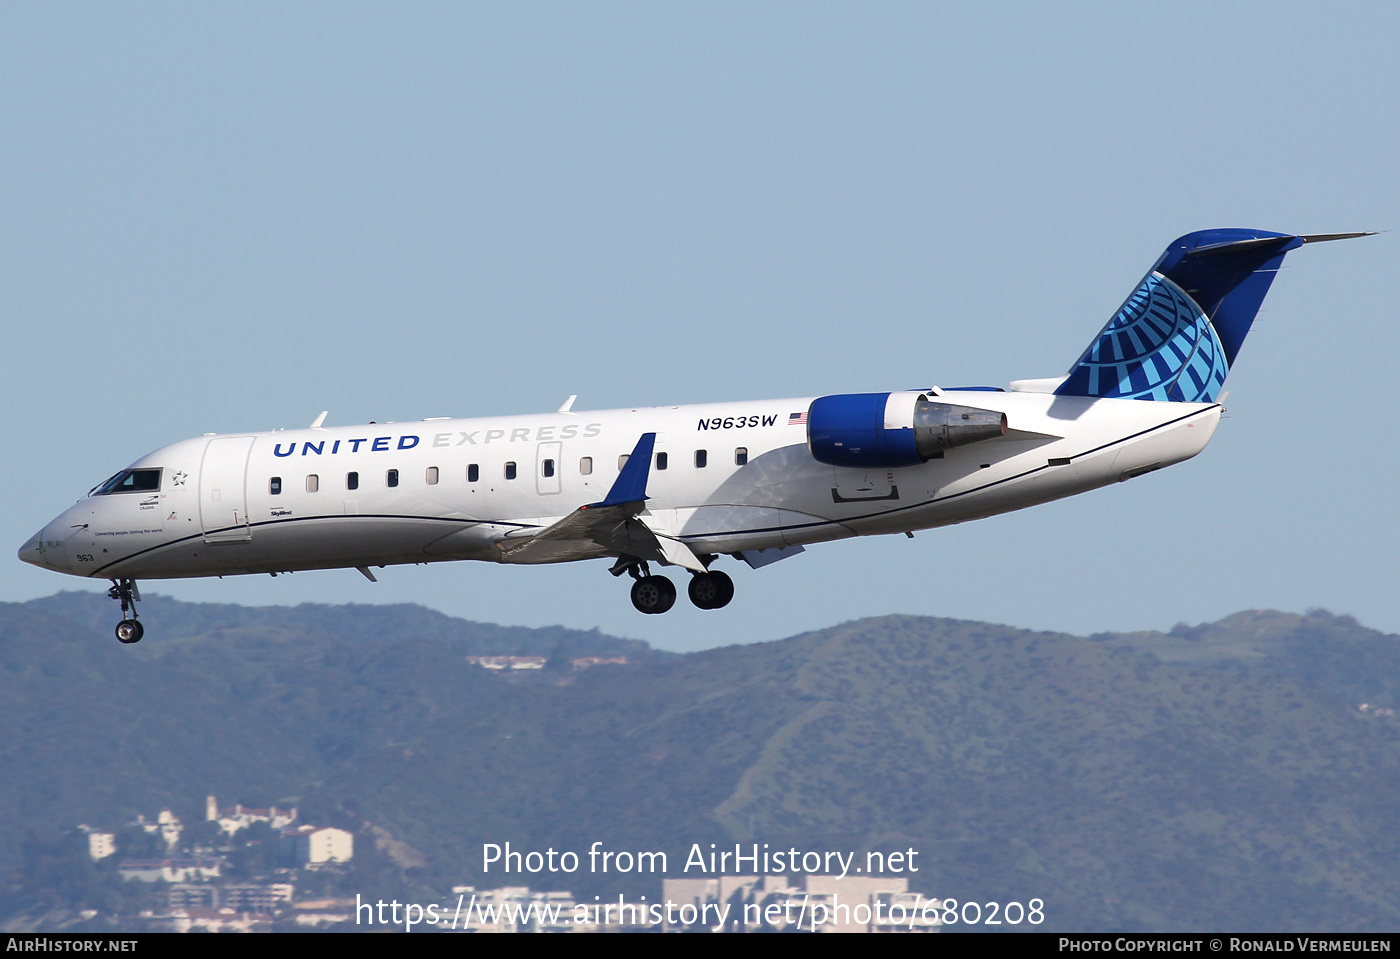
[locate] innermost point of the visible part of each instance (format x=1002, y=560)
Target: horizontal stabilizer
x=1325, y=237
x=1277, y=242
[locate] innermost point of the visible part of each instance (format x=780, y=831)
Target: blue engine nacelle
x=886, y=430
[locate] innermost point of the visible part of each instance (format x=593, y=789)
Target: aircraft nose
x=44, y=550
x=29, y=552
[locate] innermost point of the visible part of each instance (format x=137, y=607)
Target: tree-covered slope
x=1213, y=777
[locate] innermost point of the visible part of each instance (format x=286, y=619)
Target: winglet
x=568, y=404
x=316, y=423
x=631, y=483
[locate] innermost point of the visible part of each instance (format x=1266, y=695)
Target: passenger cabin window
x=510, y=471
x=473, y=473
x=431, y=476
x=585, y=466
x=391, y=478
x=702, y=457
x=622, y=461
x=130, y=481
x=352, y=480
x=313, y=483
x=661, y=461
x=547, y=468
x=274, y=486
x=741, y=456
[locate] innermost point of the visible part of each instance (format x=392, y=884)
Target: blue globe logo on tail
x=1158, y=346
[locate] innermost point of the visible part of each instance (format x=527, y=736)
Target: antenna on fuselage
x=568, y=404
x=316, y=423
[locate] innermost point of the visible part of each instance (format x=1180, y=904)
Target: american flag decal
x=797, y=419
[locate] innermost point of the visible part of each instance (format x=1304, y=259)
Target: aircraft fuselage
x=725, y=478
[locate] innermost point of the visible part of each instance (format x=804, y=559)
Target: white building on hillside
x=100, y=844
x=167, y=824
x=309, y=845
x=238, y=816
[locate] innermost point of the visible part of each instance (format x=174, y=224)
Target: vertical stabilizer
x=1178, y=333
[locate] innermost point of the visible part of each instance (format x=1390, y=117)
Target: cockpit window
x=130, y=481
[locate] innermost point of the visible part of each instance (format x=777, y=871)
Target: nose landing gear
x=129, y=630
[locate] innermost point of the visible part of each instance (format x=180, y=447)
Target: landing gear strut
x=129, y=630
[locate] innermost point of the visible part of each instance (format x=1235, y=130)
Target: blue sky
x=224, y=218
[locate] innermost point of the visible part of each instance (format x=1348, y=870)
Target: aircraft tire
x=653, y=594
x=711, y=590
x=130, y=631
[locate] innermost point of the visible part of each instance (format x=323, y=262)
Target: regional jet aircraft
x=683, y=486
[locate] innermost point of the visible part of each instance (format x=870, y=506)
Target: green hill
x=1213, y=777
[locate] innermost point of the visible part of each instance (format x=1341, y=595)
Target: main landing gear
x=129, y=630
x=656, y=594
x=712, y=590
x=653, y=594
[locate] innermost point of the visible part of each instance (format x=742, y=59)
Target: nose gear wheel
x=129, y=630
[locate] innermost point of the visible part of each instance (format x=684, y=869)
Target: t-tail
x=1179, y=332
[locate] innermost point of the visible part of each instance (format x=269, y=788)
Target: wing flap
x=611, y=526
x=618, y=530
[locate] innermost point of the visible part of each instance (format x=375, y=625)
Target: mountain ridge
x=1211, y=775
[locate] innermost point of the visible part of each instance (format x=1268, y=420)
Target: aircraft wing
x=613, y=523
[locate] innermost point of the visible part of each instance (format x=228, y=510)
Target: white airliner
x=684, y=485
